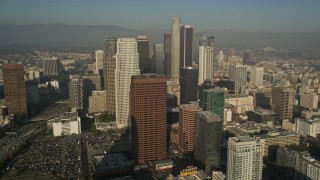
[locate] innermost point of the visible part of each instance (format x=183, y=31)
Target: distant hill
x=93, y=36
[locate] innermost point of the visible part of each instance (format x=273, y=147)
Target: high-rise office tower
x=175, y=50
x=238, y=74
x=207, y=41
x=245, y=158
x=206, y=63
x=213, y=100
x=144, y=54
x=50, y=67
x=99, y=60
x=186, y=36
x=247, y=57
x=188, y=84
x=158, y=50
x=127, y=65
x=76, y=91
x=148, y=99
x=256, y=76
x=208, y=140
x=167, y=54
x=282, y=102
x=15, y=89
x=187, y=126
x=109, y=73
x=195, y=47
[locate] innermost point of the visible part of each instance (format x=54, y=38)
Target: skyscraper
x=167, y=54
x=206, y=62
x=188, y=84
x=76, y=91
x=14, y=89
x=256, y=76
x=148, y=99
x=187, y=126
x=238, y=74
x=175, y=50
x=282, y=102
x=208, y=140
x=50, y=67
x=195, y=46
x=221, y=58
x=186, y=36
x=158, y=50
x=244, y=158
x=213, y=100
x=247, y=57
x=144, y=54
x=109, y=73
x=99, y=60
x=127, y=65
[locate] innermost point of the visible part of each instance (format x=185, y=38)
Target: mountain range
x=93, y=36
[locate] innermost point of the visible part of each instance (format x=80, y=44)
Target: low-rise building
x=69, y=123
x=308, y=127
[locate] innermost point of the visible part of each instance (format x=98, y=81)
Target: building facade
x=282, y=102
x=186, y=36
x=76, y=91
x=238, y=74
x=98, y=101
x=213, y=100
x=148, y=99
x=206, y=63
x=127, y=65
x=245, y=158
x=256, y=76
x=50, y=67
x=175, y=50
x=188, y=84
x=167, y=54
x=208, y=140
x=158, y=50
x=15, y=89
x=187, y=126
x=99, y=54
x=144, y=54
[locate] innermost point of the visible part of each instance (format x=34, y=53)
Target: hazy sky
x=238, y=15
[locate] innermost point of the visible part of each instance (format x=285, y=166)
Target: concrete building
x=50, y=67
x=218, y=175
x=297, y=165
x=76, y=91
x=69, y=123
x=195, y=46
x=167, y=54
x=308, y=127
x=99, y=54
x=143, y=45
x=309, y=100
x=187, y=126
x=158, y=58
x=15, y=89
x=264, y=116
x=256, y=76
x=245, y=158
x=238, y=74
x=186, y=37
x=148, y=100
x=241, y=104
x=206, y=63
x=175, y=50
x=127, y=65
x=208, y=140
x=247, y=57
x=282, y=102
x=281, y=139
x=98, y=101
x=309, y=114
x=188, y=81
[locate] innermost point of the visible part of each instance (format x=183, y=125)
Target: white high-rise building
x=99, y=60
x=175, y=50
x=245, y=158
x=256, y=76
x=238, y=74
x=206, y=63
x=127, y=65
x=220, y=57
x=50, y=67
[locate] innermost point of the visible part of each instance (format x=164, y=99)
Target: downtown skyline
x=273, y=16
